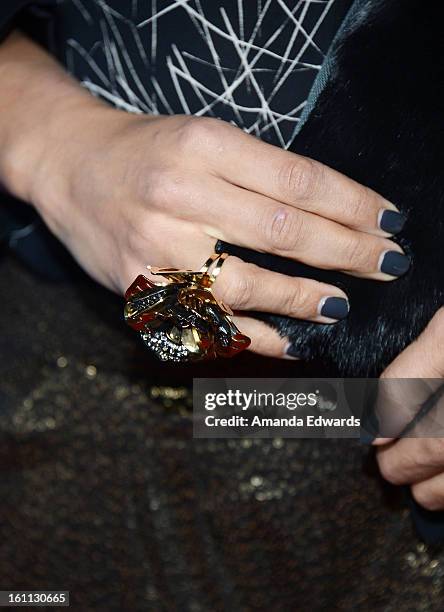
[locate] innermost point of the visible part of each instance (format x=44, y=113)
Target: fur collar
x=379, y=120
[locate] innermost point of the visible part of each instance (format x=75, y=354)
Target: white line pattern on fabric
x=125, y=87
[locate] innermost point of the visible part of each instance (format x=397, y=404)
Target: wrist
x=34, y=146
x=42, y=116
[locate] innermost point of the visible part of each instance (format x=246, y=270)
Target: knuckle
x=199, y=133
x=297, y=179
x=425, y=499
x=355, y=255
x=360, y=205
x=297, y=302
x=282, y=229
x=432, y=451
x=388, y=469
x=238, y=289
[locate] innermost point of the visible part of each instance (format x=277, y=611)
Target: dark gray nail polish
x=366, y=437
x=394, y=263
x=391, y=221
x=334, y=308
x=291, y=352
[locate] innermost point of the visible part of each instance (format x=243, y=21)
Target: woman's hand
x=122, y=191
x=419, y=461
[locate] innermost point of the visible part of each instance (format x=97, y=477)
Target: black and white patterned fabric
x=249, y=62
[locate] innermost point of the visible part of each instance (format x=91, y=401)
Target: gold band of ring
x=215, y=263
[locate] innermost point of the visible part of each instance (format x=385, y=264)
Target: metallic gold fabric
x=104, y=492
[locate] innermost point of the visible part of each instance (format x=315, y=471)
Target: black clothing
x=104, y=492
x=377, y=117
x=248, y=62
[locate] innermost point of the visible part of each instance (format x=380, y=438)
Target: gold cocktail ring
x=181, y=320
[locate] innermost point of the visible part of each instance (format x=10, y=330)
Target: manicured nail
x=391, y=221
x=394, y=263
x=333, y=308
x=366, y=437
x=290, y=353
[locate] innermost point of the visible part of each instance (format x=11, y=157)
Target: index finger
x=304, y=183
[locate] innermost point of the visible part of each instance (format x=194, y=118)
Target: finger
x=411, y=460
x=240, y=285
x=269, y=226
x=304, y=183
x=245, y=286
x=430, y=493
x=410, y=380
x=264, y=340
x=267, y=291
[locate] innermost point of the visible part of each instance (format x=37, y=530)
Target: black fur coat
x=379, y=119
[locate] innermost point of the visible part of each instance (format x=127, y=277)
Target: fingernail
x=391, y=221
x=366, y=437
x=394, y=263
x=333, y=308
x=290, y=353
